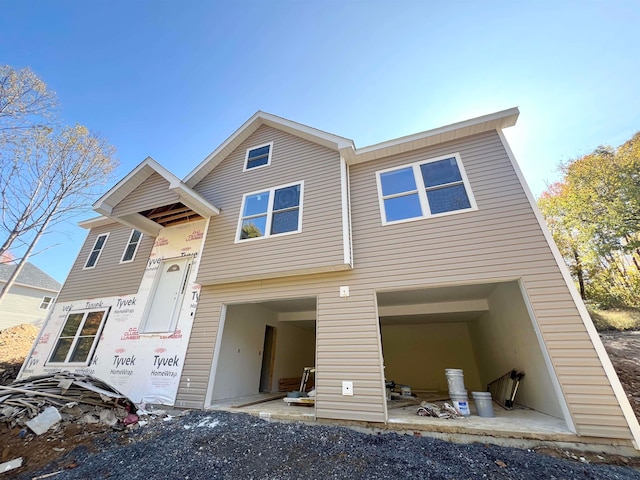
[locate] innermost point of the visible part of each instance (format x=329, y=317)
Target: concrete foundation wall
x=417, y=355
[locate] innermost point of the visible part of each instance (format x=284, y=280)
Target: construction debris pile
x=427, y=409
x=43, y=401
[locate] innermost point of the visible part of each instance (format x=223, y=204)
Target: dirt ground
x=39, y=451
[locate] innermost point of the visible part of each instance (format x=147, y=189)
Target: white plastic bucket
x=460, y=402
x=483, y=403
x=455, y=380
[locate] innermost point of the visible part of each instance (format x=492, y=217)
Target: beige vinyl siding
x=500, y=241
x=319, y=247
x=153, y=192
x=109, y=277
x=22, y=305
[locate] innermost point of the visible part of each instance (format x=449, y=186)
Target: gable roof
x=30, y=276
x=352, y=155
x=105, y=204
x=256, y=121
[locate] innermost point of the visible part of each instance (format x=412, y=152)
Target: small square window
x=259, y=156
x=46, y=303
x=132, y=246
x=271, y=212
x=424, y=189
x=96, y=250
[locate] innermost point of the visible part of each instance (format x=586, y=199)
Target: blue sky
x=172, y=80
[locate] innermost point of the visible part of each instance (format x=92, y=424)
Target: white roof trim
x=134, y=179
x=94, y=222
x=258, y=119
x=493, y=121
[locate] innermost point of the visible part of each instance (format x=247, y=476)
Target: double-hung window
x=271, y=212
x=79, y=336
x=46, y=303
x=259, y=156
x=96, y=250
x=132, y=246
x=424, y=189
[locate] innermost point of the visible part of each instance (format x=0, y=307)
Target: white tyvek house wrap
x=145, y=367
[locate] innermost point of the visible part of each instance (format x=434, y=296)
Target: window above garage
x=429, y=188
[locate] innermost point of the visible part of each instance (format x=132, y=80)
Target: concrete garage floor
x=520, y=427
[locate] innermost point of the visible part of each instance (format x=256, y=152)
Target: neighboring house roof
x=351, y=154
x=30, y=276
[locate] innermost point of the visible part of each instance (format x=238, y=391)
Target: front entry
x=167, y=295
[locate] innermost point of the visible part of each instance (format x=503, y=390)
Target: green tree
x=594, y=215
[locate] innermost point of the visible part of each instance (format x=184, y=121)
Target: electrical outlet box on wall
x=347, y=388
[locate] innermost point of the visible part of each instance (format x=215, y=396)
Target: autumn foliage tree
x=48, y=172
x=594, y=216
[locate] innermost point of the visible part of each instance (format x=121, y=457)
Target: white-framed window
x=257, y=157
x=46, y=302
x=79, y=336
x=429, y=188
x=96, y=250
x=270, y=212
x=132, y=246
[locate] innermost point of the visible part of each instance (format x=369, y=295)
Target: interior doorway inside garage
x=262, y=344
x=485, y=330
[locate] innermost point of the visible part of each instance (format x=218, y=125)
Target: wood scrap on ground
x=80, y=398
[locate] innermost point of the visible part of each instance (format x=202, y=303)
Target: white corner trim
x=346, y=213
x=216, y=356
x=618, y=391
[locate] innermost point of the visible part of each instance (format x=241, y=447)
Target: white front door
x=167, y=295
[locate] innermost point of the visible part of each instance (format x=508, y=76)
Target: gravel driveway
x=221, y=445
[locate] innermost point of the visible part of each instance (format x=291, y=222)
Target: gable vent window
x=258, y=156
x=430, y=188
x=132, y=247
x=271, y=212
x=98, y=246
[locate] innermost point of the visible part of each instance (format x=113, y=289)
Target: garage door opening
x=263, y=344
x=485, y=330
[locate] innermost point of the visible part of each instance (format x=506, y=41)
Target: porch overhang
x=187, y=204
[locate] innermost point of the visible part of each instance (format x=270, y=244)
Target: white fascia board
x=194, y=201
x=493, y=121
x=94, y=222
x=141, y=223
x=625, y=406
x=26, y=285
x=262, y=118
x=127, y=184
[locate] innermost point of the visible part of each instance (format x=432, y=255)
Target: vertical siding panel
x=194, y=381
x=335, y=359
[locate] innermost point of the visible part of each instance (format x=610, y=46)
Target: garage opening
x=485, y=330
x=263, y=346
